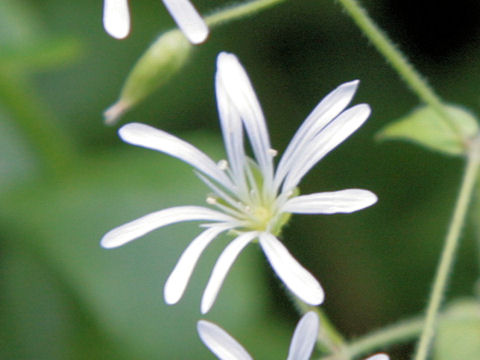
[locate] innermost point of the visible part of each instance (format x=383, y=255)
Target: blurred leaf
x=122, y=288
x=425, y=127
x=44, y=54
x=17, y=161
x=18, y=24
x=26, y=44
x=459, y=334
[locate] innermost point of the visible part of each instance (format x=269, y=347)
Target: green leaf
x=458, y=335
x=425, y=127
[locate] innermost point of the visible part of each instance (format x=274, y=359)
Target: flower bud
x=164, y=58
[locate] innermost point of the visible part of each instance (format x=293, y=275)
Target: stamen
x=212, y=200
x=223, y=164
x=272, y=152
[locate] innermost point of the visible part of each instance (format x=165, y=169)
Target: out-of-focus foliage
x=65, y=297
x=458, y=337
x=426, y=127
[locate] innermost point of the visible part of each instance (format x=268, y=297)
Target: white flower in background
x=303, y=341
x=379, y=357
x=252, y=202
x=226, y=347
x=116, y=19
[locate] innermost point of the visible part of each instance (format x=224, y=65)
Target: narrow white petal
x=141, y=226
x=343, y=201
x=116, y=18
x=293, y=275
x=325, y=141
x=242, y=95
x=178, y=279
x=188, y=20
x=220, y=342
x=304, y=337
x=378, y=357
x=221, y=268
x=330, y=106
x=232, y=131
x=155, y=139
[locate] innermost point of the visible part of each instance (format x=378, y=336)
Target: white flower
x=252, y=201
x=303, y=341
x=116, y=19
x=379, y=357
x=227, y=348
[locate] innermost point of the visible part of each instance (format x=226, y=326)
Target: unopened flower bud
x=164, y=58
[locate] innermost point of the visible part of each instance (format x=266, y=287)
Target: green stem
x=398, y=61
x=235, y=12
x=329, y=338
x=448, y=254
x=397, y=333
x=402, y=332
x=35, y=122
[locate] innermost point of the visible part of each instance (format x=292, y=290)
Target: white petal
x=155, y=139
x=188, y=20
x=141, y=226
x=116, y=18
x=220, y=342
x=293, y=275
x=343, y=201
x=240, y=91
x=378, y=357
x=178, y=279
x=232, y=132
x=221, y=268
x=330, y=106
x=325, y=141
x=304, y=337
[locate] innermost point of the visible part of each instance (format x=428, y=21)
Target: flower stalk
x=449, y=251
x=235, y=12
x=399, y=62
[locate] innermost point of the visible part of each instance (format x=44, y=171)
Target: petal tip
x=107, y=243
x=198, y=37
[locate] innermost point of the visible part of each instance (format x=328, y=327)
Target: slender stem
x=402, y=332
x=398, y=61
x=329, y=338
x=35, y=122
x=448, y=254
x=235, y=12
x=393, y=334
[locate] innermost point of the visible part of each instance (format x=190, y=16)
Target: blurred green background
x=66, y=178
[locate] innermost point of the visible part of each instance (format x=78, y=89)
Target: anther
x=272, y=152
x=212, y=200
x=223, y=164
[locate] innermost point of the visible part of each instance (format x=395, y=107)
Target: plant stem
x=398, y=61
x=448, y=254
x=235, y=12
x=329, y=338
x=393, y=334
x=401, y=332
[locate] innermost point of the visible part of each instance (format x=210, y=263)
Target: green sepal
x=426, y=127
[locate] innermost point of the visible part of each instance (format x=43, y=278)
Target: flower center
x=261, y=218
